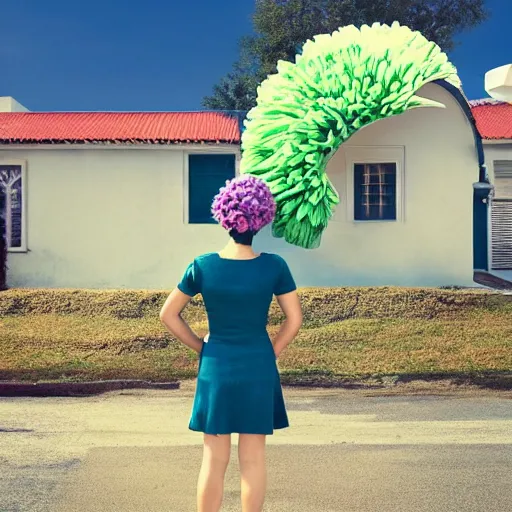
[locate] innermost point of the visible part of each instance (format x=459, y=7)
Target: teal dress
x=238, y=385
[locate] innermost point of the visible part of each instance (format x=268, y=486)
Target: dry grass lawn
x=348, y=333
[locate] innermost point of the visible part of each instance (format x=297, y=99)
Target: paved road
x=349, y=451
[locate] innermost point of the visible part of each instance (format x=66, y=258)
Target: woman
x=238, y=386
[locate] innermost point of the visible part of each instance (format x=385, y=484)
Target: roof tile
x=119, y=127
x=493, y=119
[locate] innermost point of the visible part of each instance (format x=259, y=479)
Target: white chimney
x=9, y=104
x=498, y=83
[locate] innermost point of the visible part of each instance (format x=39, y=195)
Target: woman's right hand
x=290, y=305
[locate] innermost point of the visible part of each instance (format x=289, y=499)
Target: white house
x=494, y=122
x=121, y=200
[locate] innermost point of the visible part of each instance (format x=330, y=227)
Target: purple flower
x=242, y=225
x=245, y=203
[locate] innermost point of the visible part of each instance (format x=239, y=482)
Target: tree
x=235, y=91
x=283, y=26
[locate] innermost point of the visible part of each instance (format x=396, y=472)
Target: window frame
x=24, y=208
x=186, y=175
x=374, y=155
x=502, y=166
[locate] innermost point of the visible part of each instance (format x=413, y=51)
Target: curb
x=494, y=381
x=16, y=388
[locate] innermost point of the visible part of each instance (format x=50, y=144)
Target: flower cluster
x=244, y=204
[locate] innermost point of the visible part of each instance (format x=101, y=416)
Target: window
x=207, y=173
x=375, y=191
x=503, y=179
x=12, y=190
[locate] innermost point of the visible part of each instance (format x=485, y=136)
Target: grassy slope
x=348, y=333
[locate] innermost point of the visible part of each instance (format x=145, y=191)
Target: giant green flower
x=340, y=83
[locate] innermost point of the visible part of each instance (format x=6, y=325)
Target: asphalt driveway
x=443, y=450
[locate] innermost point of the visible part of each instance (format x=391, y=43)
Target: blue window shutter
x=207, y=174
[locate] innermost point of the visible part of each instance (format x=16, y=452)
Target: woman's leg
x=210, y=485
x=251, y=455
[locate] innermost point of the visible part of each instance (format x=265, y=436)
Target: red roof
x=493, y=118
x=118, y=127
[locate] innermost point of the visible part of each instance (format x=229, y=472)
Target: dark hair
x=242, y=238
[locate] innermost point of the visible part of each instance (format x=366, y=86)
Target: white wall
x=9, y=104
x=106, y=218
x=496, y=151
x=115, y=217
x=433, y=243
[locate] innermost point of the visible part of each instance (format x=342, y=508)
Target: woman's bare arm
x=170, y=315
x=290, y=305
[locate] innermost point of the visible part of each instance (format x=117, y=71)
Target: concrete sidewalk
x=345, y=451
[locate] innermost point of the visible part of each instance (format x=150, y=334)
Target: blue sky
x=59, y=55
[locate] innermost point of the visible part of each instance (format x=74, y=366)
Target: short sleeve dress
x=238, y=385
